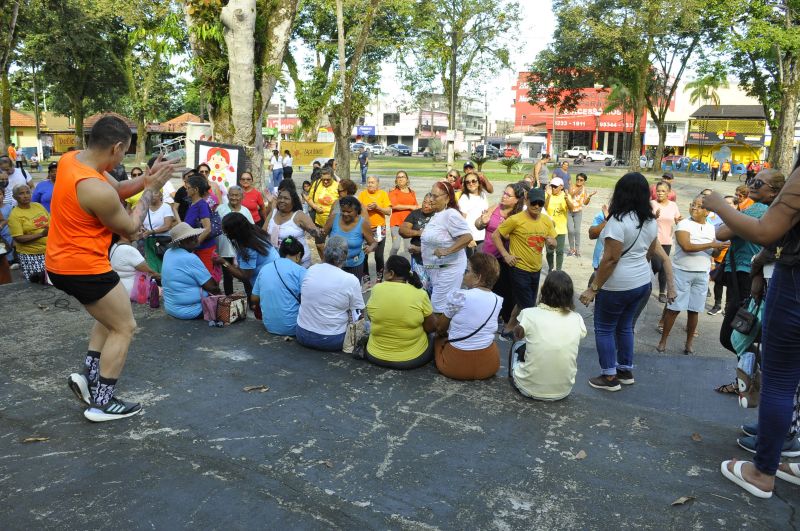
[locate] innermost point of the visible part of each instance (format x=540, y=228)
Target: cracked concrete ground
x=339, y=443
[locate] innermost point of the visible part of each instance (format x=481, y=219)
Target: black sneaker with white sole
x=79, y=385
x=714, y=310
x=625, y=377
x=790, y=448
x=113, y=410
x=601, y=382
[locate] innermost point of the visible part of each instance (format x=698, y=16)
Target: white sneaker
x=80, y=386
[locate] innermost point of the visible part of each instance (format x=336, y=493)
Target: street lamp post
x=597, y=113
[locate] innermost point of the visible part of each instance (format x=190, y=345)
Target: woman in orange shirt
x=403, y=200
x=743, y=201
x=378, y=206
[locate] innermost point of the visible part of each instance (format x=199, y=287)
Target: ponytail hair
x=401, y=268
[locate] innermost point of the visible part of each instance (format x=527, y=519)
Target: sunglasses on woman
x=471, y=181
x=758, y=183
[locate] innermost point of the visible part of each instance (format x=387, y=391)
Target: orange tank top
x=77, y=243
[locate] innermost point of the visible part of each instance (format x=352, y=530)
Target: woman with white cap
x=556, y=203
x=183, y=275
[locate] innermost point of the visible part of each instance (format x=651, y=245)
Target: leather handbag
x=232, y=308
x=355, y=335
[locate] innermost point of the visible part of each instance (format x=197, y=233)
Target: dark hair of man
x=350, y=202
x=585, y=177
x=290, y=247
x=558, y=292
x=486, y=267
x=400, y=266
x=245, y=236
x=108, y=131
x=631, y=195
x=199, y=182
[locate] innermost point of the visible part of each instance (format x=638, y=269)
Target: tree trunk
x=77, y=113
x=662, y=140
x=239, y=21
x=141, y=139
x=781, y=154
x=6, y=109
x=340, y=123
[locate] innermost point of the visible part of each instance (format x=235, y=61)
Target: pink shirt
x=666, y=220
x=494, y=221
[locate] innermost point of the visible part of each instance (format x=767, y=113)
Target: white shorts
x=445, y=280
x=692, y=289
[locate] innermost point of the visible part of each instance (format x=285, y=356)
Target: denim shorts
x=692, y=289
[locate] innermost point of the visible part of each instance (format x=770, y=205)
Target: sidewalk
x=339, y=443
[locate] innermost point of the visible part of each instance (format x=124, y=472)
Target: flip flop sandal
x=736, y=477
x=688, y=352
x=731, y=388
x=660, y=329
x=794, y=477
x=661, y=350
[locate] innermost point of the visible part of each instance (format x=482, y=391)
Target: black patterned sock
x=104, y=391
x=91, y=366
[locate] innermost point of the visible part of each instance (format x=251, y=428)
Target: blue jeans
x=364, y=174
x=614, y=312
x=316, y=341
x=780, y=366
x=5, y=234
x=277, y=177
x=526, y=287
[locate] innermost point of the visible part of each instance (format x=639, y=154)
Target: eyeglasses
x=758, y=183
x=471, y=181
x=437, y=196
x=537, y=203
x=246, y=179
x=341, y=190
x=506, y=194
x=136, y=174
x=554, y=185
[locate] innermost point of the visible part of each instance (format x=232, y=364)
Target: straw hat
x=183, y=230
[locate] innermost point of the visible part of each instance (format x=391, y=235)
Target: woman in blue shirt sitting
x=276, y=291
x=349, y=224
x=252, y=246
x=183, y=275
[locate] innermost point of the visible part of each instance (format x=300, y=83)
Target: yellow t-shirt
x=526, y=237
x=557, y=209
x=325, y=196
x=397, y=311
x=380, y=198
x=24, y=221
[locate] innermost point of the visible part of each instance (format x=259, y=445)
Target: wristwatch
x=594, y=287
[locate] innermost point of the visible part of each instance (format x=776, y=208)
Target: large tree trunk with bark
x=5, y=95
x=239, y=20
x=781, y=153
x=141, y=139
x=9, y=37
x=77, y=113
x=662, y=140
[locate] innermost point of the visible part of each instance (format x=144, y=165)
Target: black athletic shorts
x=86, y=288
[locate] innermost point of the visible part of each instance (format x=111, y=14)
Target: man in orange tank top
x=87, y=208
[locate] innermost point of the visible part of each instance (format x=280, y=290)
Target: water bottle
x=154, y=299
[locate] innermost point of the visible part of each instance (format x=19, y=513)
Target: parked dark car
x=491, y=151
x=397, y=150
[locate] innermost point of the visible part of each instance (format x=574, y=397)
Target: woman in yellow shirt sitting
x=556, y=203
x=402, y=317
x=28, y=224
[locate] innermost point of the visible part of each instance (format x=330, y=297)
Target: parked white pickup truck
x=575, y=151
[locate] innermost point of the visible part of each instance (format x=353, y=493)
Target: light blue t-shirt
x=182, y=276
x=256, y=261
x=599, y=244
x=279, y=302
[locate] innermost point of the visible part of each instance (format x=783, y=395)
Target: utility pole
x=39, y=151
x=451, y=141
x=553, y=142
x=485, y=122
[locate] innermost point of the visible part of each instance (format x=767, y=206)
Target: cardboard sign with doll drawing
x=227, y=162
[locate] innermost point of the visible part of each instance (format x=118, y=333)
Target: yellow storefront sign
x=304, y=153
x=62, y=142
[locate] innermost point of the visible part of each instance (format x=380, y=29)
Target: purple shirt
x=194, y=214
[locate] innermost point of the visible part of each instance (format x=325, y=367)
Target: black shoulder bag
x=744, y=320
x=296, y=297
x=160, y=241
x=477, y=329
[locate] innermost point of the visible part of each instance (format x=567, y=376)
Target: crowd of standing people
x=475, y=269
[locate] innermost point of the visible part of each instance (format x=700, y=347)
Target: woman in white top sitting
x=156, y=225
x=472, y=203
x=224, y=246
x=329, y=297
x=465, y=347
x=288, y=219
x=622, y=281
x=126, y=260
x=691, y=263
x=544, y=362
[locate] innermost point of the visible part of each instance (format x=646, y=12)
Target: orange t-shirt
x=77, y=243
x=398, y=197
x=380, y=198
x=744, y=204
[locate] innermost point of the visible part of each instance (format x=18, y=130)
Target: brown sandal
x=731, y=388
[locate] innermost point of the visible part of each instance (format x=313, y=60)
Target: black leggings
x=732, y=303
x=379, y=261
x=658, y=268
x=421, y=360
x=503, y=289
x=227, y=278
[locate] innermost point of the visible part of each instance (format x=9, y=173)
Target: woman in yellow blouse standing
x=557, y=203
